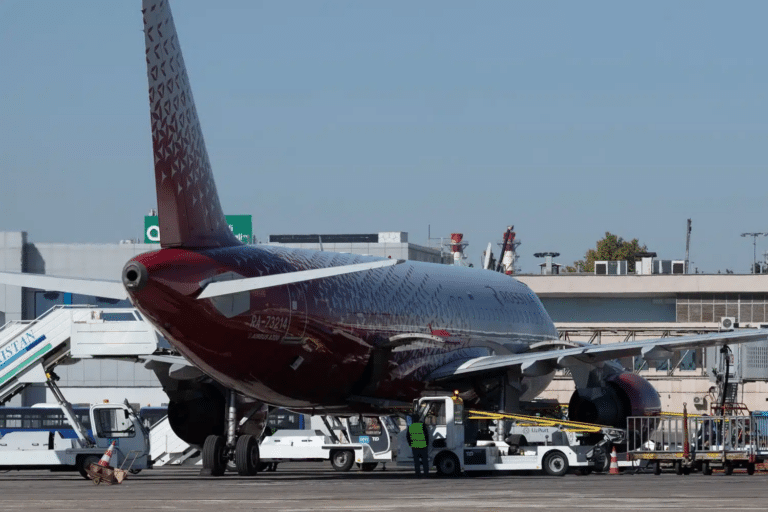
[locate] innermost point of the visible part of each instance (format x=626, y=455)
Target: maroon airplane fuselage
x=317, y=344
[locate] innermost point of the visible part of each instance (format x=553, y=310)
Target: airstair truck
x=453, y=452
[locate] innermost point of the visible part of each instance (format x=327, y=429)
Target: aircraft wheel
x=555, y=464
x=342, y=460
x=368, y=466
x=247, y=455
x=447, y=464
x=215, y=455
x=85, y=463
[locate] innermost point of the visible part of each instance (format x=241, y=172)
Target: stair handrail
x=30, y=323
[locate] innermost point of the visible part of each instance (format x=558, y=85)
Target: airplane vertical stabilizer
x=189, y=211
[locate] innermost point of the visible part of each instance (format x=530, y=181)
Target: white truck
x=49, y=450
x=457, y=445
x=343, y=441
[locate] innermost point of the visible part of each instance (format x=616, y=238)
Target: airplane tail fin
x=189, y=211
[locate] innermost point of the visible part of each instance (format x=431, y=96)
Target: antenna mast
x=687, y=244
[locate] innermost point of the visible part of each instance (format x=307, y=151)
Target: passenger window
x=113, y=423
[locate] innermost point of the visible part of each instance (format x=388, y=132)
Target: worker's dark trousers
x=421, y=460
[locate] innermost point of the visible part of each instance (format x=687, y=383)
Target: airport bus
x=42, y=418
x=49, y=417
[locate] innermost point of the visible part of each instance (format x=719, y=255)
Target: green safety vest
x=418, y=439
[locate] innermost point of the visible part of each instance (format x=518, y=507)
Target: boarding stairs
x=30, y=349
x=167, y=448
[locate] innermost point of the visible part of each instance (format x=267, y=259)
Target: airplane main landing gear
x=242, y=451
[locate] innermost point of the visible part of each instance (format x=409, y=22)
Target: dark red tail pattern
x=189, y=211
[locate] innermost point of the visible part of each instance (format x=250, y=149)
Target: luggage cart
x=110, y=475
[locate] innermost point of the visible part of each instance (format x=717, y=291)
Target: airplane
x=319, y=332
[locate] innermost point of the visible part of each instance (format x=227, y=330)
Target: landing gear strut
x=243, y=451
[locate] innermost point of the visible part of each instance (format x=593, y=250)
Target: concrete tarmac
x=315, y=486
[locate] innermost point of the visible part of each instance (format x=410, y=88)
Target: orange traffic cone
x=107, y=457
x=614, y=463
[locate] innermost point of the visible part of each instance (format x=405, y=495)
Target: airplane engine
x=623, y=395
x=196, y=415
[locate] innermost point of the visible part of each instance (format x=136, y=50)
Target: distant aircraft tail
x=189, y=211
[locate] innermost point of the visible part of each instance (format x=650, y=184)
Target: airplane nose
x=135, y=276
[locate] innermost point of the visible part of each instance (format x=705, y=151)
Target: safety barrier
x=672, y=437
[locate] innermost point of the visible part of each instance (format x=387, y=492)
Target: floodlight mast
x=754, y=247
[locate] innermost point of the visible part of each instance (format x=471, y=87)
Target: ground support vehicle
x=49, y=450
x=343, y=441
x=685, y=443
x=461, y=441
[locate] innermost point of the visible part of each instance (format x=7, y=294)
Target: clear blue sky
x=566, y=119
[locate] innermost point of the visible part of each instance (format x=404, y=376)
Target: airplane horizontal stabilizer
x=219, y=288
x=95, y=287
x=532, y=363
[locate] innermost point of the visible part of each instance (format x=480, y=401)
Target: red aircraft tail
x=189, y=211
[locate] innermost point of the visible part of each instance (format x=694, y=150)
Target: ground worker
x=418, y=440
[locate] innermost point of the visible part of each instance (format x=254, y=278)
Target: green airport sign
x=241, y=226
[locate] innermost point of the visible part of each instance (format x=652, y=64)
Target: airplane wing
x=219, y=288
x=541, y=363
x=96, y=287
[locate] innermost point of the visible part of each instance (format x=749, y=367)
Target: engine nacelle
x=197, y=414
x=623, y=395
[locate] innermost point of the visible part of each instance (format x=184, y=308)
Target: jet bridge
x=30, y=349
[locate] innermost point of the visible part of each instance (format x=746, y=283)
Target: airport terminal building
x=617, y=308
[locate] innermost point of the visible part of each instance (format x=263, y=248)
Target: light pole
x=754, y=245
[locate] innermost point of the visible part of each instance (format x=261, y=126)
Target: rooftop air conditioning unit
x=727, y=323
x=662, y=266
x=678, y=266
x=611, y=268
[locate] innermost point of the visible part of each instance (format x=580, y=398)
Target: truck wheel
x=214, y=455
x=555, y=463
x=247, y=455
x=368, y=466
x=85, y=463
x=728, y=468
x=751, y=468
x=447, y=464
x=706, y=468
x=342, y=460
x=602, y=460
x=657, y=468
x=678, y=467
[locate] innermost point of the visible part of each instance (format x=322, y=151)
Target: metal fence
x=668, y=434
